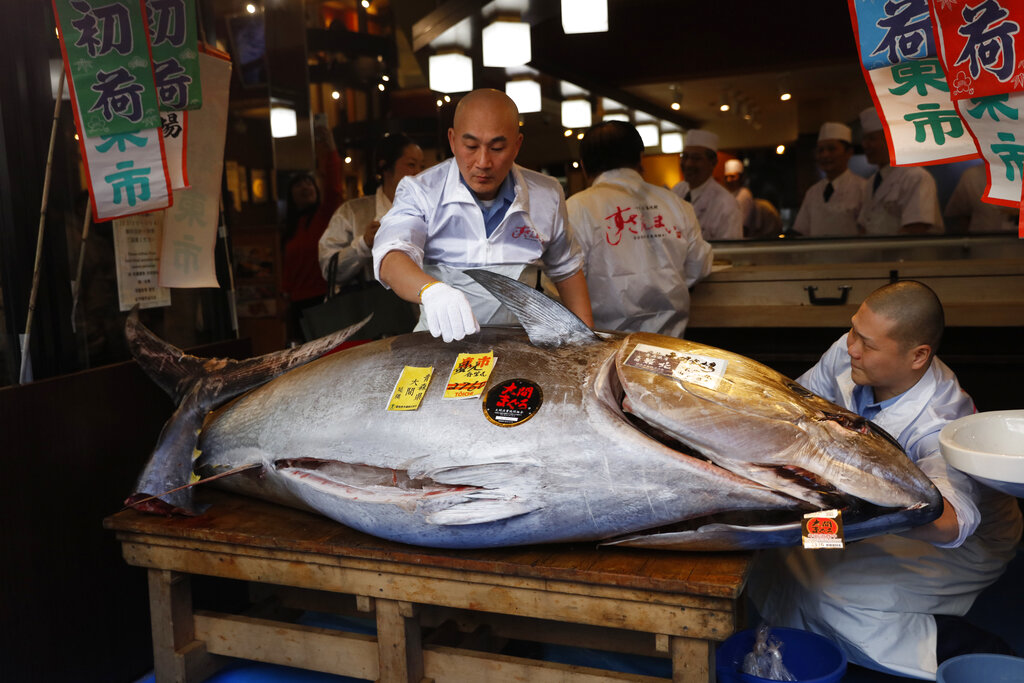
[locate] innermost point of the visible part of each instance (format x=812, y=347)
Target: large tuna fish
x=634, y=439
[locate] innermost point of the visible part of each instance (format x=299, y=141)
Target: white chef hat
x=733, y=166
x=700, y=138
x=831, y=130
x=869, y=120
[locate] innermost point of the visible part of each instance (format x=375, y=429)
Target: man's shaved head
x=494, y=104
x=914, y=309
x=485, y=140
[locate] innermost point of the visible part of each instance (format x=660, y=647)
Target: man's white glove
x=448, y=313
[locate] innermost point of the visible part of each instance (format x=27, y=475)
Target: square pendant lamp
x=672, y=142
x=584, y=16
x=506, y=43
x=616, y=116
x=576, y=113
x=283, y=123
x=525, y=93
x=450, y=72
x=649, y=133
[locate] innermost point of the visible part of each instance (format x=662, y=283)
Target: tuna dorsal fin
x=547, y=322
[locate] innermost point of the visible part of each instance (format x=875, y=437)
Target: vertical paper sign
x=106, y=50
x=175, y=133
x=136, y=252
x=469, y=375
x=172, y=34
x=190, y=227
x=995, y=122
x=907, y=84
x=410, y=388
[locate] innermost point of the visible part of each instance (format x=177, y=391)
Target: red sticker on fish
x=513, y=402
x=823, y=529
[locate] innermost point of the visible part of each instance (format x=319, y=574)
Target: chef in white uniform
x=478, y=210
x=354, y=225
x=831, y=205
x=733, y=177
x=897, y=200
x=895, y=603
x=966, y=212
x=717, y=210
x=641, y=244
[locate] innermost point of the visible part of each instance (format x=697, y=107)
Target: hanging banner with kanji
x=172, y=34
x=903, y=73
x=190, y=226
x=106, y=53
x=981, y=45
x=126, y=173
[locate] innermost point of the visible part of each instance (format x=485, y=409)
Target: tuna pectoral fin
x=547, y=322
x=480, y=507
x=717, y=537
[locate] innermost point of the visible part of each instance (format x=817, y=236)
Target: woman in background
x=354, y=225
x=306, y=218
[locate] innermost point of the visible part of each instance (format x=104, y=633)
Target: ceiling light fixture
x=781, y=149
x=677, y=103
x=576, y=113
x=525, y=92
x=506, y=43
x=672, y=142
x=450, y=72
x=335, y=95
x=649, y=133
x=584, y=16
x=283, y=122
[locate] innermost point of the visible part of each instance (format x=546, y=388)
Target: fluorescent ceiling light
x=672, y=143
x=576, y=113
x=649, y=134
x=584, y=16
x=525, y=93
x=506, y=43
x=450, y=72
x=283, y=123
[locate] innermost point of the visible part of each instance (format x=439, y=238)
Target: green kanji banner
x=106, y=50
x=172, y=35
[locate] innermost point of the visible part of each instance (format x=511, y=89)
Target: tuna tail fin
x=198, y=385
x=547, y=322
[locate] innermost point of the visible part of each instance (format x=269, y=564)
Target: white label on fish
x=705, y=371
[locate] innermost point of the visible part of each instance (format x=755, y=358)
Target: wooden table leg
x=177, y=656
x=400, y=649
x=693, y=660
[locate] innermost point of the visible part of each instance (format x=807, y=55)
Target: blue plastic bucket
x=981, y=667
x=809, y=657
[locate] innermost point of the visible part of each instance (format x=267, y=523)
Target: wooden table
x=430, y=605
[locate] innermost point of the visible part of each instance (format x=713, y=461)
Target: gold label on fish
x=705, y=371
x=822, y=529
x=410, y=388
x=469, y=375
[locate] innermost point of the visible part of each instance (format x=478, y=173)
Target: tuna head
x=759, y=425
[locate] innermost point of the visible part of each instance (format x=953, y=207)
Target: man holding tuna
x=895, y=603
x=478, y=210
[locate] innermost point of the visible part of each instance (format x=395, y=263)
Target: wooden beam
x=440, y=20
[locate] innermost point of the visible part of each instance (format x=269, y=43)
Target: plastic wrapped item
x=765, y=660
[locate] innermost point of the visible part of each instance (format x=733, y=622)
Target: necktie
x=828, y=191
x=687, y=197
x=878, y=181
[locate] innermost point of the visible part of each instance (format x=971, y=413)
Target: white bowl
x=989, y=447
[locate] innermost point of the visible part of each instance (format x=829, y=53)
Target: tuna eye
x=852, y=422
x=798, y=390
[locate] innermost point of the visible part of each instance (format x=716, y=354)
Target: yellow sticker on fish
x=410, y=388
x=469, y=375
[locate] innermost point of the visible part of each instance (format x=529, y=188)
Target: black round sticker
x=513, y=402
